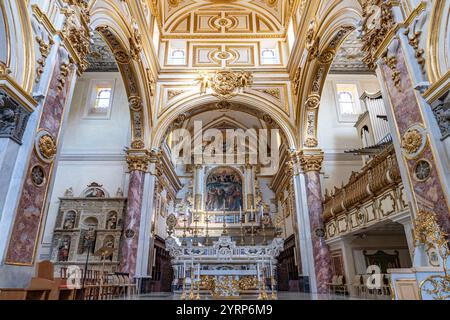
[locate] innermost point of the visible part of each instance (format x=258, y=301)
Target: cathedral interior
x=224, y=149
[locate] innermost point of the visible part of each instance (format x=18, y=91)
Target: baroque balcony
x=372, y=195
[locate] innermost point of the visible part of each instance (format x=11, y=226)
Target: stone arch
x=115, y=31
x=252, y=103
x=16, y=35
x=325, y=42
x=438, y=38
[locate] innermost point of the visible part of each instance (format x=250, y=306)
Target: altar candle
x=199, y=271
x=240, y=213
x=184, y=269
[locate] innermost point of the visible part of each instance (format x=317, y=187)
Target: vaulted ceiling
x=224, y=18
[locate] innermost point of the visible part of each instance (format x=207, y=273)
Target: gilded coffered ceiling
x=224, y=18
x=101, y=59
x=349, y=58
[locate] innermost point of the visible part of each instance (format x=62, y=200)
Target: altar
x=224, y=269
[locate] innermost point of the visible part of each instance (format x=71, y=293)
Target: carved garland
x=124, y=59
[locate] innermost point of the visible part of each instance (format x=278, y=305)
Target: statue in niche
x=69, y=222
x=119, y=193
x=111, y=223
x=64, y=250
x=87, y=241
x=68, y=193
x=109, y=243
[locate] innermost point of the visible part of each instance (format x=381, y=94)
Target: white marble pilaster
x=304, y=232
x=145, y=242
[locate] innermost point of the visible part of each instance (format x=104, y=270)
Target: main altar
x=224, y=269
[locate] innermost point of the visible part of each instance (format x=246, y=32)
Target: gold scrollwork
x=428, y=233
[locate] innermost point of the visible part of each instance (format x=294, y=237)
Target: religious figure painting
x=224, y=190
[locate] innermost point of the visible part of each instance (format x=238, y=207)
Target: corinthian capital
x=311, y=162
x=138, y=160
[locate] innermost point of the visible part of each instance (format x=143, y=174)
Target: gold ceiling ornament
x=151, y=82
x=47, y=146
x=312, y=42
x=313, y=101
x=76, y=33
x=171, y=94
x=311, y=162
x=378, y=21
x=138, y=160
x=44, y=48
x=414, y=43
x=428, y=233
x=311, y=142
x=135, y=103
x=224, y=83
x=135, y=41
x=137, y=144
x=63, y=73
x=412, y=141
x=171, y=223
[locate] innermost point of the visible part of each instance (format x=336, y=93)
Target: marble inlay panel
x=25, y=233
x=132, y=222
x=428, y=194
x=321, y=251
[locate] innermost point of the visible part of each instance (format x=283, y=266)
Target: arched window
x=177, y=56
x=346, y=98
x=269, y=56
x=103, y=98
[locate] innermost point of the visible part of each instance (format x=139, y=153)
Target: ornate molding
x=377, y=22
x=224, y=83
x=138, y=160
x=311, y=162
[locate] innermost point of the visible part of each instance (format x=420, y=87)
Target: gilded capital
x=311, y=162
x=138, y=160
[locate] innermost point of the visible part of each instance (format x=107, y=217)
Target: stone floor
x=281, y=296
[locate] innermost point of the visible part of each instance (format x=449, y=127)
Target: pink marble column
x=138, y=165
x=30, y=211
x=322, y=259
x=428, y=192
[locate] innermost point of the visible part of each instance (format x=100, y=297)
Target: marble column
x=31, y=208
x=248, y=183
x=138, y=161
x=311, y=165
x=421, y=168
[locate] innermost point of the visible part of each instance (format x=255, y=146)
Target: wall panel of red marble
x=428, y=193
x=30, y=210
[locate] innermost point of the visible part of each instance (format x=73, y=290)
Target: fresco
x=224, y=190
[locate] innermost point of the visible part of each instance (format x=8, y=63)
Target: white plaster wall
x=85, y=135
x=334, y=136
x=92, y=150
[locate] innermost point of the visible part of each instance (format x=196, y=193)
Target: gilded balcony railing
x=380, y=173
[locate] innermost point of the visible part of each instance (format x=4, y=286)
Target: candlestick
x=242, y=231
x=253, y=233
x=195, y=240
x=207, y=230
x=224, y=232
x=183, y=242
